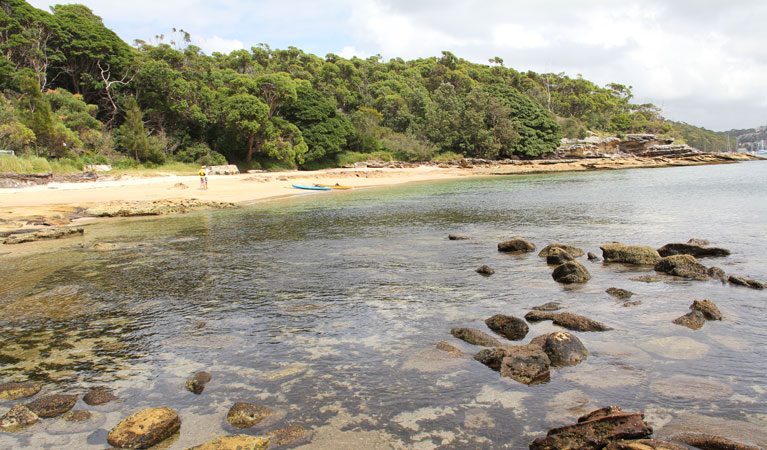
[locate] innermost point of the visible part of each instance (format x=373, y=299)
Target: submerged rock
x=693, y=320
x=246, y=415
x=697, y=251
x=571, y=272
x=287, y=435
x=516, y=245
x=145, y=428
x=537, y=316
x=485, y=270
x=16, y=391
x=707, y=441
x=197, y=383
x=527, y=364
x=236, y=442
x=708, y=308
x=558, y=257
x=619, y=293
x=475, y=337
x=717, y=274
x=562, y=348
x=457, y=237
x=741, y=281
x=48, y=233
x=682, y=266
x=549, y=306
x=52, y=405
x=17, y=418
x=631, y=254
x=595, y=431
x=577, y=322
x=510, y=327
x=98, y=397
x=445, y=347
x=593, y=257
x=573, y=252
x=645, y=444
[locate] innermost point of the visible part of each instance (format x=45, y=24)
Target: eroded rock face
x=619, y=293
x=595, y=430
x=52, y=405
x=516, y=245
x=510, y=327
x=562, y=348
x=742, y=281
x=527, y=364
x=695, y=250
x=682, y=266
x=485, y=270
x=630, y=254
x=693, y=320
x=475, y=337
x=236, y=442
x=145, y=428
x=16, y=391
x=573, y=252
x=98, y=397
x=571, y=272
x=17, y=418
x=708, y=308
x=197, y=383
x=246, y=415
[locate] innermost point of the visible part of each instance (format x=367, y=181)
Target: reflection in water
x=328, y=309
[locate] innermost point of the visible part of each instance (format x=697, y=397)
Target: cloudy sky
x=703, y=62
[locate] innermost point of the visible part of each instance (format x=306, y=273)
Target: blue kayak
x=314, y=188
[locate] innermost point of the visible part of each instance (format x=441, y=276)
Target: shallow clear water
x=328, y=307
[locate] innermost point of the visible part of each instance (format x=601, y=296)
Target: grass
x=24, y=164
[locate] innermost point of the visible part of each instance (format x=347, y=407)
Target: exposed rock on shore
x=630, y=254
x=153, y=208
x=44, y=234
x=17, y=418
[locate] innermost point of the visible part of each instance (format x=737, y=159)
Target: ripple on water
x=687, y=387
x=676, y=347
x=606, y=377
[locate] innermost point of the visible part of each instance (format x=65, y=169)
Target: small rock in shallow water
x=593, y=257
x=246, y=415
x=708, y=308
x=562, y=348
x=697, y=251
x=595, y=430
x=145, y=428
x=98, y=397
x=701, y=242
x=510, y=327
x=52, y=405
x=682, y=266
x=16, y=391
x=445, y=347
x=707, y=441
x=457, y=237
x=17, y=418
x=576, y=322
x=571, y=272
x=741, y=281
x=550, y=306
x=537, y=316
x=475, y=337
x=197, y=383
x=645, y=444
x=630, y=254
x=557, y=257
x=717, y=274
x=287, y=435
x=527, y=364
x=485, y=270
x=693, y=320
x=619, y=293
x=516, y=245
x=573, y=252
x=235, y=442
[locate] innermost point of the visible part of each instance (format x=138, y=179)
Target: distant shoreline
x=61, y=204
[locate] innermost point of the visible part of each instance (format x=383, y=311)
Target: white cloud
x=350, y=52
x=217, y=44
x=517, y=36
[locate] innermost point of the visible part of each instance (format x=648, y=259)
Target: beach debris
x=595, y=430
x=246, y=415
x=475, y=337
x=619, y=293
x=742, y=281
x=698, y=251
x=145, y=428
x=16, y=391
x=693, y=320
x=562, y=348
x=45, y=234
x=630, y=254
x=485, y=270
x=682, y=266
x=516, y=245
x=571, y=272
x=236, y=442
x=52, y=405
x=527, y=364
x=98, y=397
x=17, y=418
x=510, y=327
x=574, y=252
x=197, y=383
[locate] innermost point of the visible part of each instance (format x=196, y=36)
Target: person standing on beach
x=203, y=178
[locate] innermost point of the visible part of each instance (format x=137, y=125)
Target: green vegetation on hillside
x=74, y=90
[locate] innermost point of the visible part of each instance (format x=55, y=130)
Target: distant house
x=7, y=152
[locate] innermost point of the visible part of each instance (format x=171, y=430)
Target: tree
x=132, y=135
x=246, y=114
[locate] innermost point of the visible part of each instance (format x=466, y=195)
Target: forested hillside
x=73, y=90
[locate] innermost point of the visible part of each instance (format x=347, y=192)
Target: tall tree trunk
x=250, y=148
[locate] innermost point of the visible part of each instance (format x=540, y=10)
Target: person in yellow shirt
x=203, y=178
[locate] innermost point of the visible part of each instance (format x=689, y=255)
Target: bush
x=447, y=156
x=408, y=148
x=24, y=164
x=201, y=154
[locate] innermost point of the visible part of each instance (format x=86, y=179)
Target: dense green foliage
x=73, y=89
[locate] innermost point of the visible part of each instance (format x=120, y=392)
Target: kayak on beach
x=316, y=188
x=334, y=186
